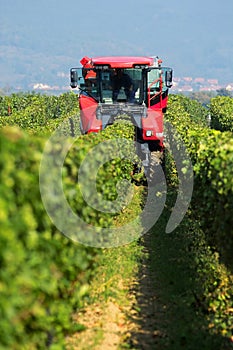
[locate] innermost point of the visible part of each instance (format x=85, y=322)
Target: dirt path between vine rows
x=105, y=324
x=135, y=324
x=148, y=329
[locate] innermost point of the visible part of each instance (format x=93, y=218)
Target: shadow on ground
x=167, y=314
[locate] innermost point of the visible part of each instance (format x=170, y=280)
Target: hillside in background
x=39, y=42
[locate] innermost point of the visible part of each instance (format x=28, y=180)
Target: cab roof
x=122, y=61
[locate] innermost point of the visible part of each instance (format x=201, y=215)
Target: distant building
x=185, y=88
x=176, y=79
x=229, y=87
x=187, y=79
x=199, y=80
x=212, y=81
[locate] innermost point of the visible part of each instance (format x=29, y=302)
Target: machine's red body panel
x=122, y=61
x=136, y=86
x=153, y=122
x=155, y=94
x=89, y=123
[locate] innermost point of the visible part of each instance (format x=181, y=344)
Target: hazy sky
x=186, y=34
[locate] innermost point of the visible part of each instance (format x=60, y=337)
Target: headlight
x=149, y=133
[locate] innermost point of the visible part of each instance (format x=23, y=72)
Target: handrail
x=159, y=92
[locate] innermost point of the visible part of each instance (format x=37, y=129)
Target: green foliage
x=190, y=280
x=37, y=113
x=105, y=194
x=221, y=110
x=224, y=92
x=211, y=153
x=203, y=97
x=196, y=112
x=44, y=276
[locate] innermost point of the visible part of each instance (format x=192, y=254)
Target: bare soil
x=105, y=324
x=134, y=324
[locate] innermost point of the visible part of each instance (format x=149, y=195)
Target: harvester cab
x=134, y=86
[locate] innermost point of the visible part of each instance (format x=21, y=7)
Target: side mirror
x=168, y=78
x=73, y=78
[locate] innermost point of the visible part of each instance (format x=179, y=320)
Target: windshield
x=87, y=82
x=113, y=85
x=153, y=81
